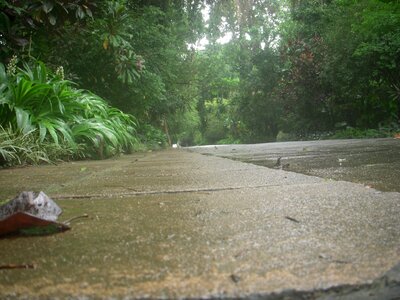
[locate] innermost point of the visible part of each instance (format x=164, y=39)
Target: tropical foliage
x=276, y=69
x=40, y=105
x=309, y=68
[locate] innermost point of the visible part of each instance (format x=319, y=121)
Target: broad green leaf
x=89, y=12
x=4, y=22
x=52, y=19
x=80, y=13
x=23, y=120
x=42, y=132
x=47, y=6
x=52, y=132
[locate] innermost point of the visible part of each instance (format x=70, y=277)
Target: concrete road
x=175, y=224
x=372, y=162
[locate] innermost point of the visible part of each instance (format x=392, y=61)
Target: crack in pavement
x=145, y=193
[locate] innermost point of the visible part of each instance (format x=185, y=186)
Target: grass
x=18, y=148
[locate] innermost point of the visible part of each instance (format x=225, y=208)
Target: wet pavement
x=372, y=162
x=176, y=224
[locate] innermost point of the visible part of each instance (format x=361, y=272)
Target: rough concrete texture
x=174, y=224
x=373, y=162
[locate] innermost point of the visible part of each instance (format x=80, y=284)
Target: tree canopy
x=291, y=69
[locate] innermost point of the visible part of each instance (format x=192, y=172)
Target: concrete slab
x=373, y=162
x=174, y=224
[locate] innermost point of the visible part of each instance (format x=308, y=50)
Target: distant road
x=372, y=162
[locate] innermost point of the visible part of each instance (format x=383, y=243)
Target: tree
x=333, y=76
x=22, y=22
x=217, y=87
x=379, y=30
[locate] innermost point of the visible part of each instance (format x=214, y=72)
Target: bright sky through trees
x=280, y=69
x=203, y=42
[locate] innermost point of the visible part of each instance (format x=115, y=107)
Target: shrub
x=35, y=102
x=18, y=148
x=355, y=133
x=153, y=137
x=283, y=137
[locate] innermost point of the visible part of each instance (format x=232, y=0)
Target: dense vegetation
x=42, y=109
x=295, y=69
x=309, y=69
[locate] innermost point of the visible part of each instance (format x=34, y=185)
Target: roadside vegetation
x=92, y=79
x=45, y=118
